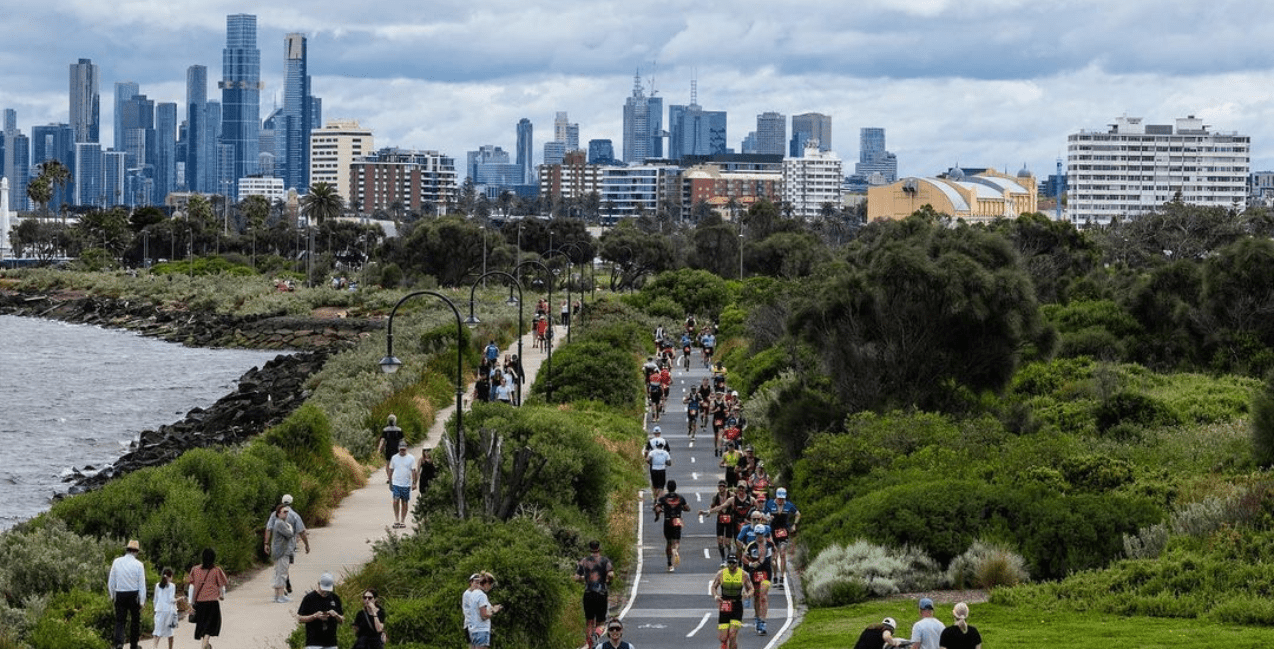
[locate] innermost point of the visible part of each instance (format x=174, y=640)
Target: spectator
x=960, y=635
x=127, y=587
x=369, y=624
x=322, y=614
x=207, y=589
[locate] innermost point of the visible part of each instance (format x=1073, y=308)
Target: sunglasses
x=368, y=597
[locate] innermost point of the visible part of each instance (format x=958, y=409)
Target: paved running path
x=251, y=619
x=674, y=609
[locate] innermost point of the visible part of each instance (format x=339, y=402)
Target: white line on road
x=694, y=475
x=706, y=617
x=791, y=613
x=705, y=550
x=641, y=523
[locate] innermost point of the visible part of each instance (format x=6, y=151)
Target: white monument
x=5, y=250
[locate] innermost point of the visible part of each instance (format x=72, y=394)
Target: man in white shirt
x=402, y=479
x=127, y=588
x=926, y=633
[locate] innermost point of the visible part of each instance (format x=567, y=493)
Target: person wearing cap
x=784, y=516
x=880, y=635
x=730, y=587
x=656, y=440
x=659, y=460
x=671, y=505
x=322, y=614
x=480, y=612
x=961, y=634
x=926, y=632
x=298, y=533
x=614, y=637
x=725, y=517
x=595, y=572
x=127, y=588
x=390, y=435
x=756, y=545
x=402, y=479
x=466, y=603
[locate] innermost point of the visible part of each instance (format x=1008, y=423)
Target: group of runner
x=754, y=523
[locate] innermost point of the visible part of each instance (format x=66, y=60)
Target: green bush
x=689, y=291
x=77, y=619
x=592, y=371
x=42, y=556
x=987, y=566
x=1133, y=408
x=847, y=574
x=1262, y=424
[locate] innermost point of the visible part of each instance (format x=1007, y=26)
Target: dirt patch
x=946, y=596
x=330, y=313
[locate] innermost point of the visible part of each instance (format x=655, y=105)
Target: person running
x=709, y=343
x=719, y=412
x=692, y=412
x=756, y=541
x=784, y=516
x=725, y=517
x=760, y=482
x=743, y=504
x=730, y=462
x=730, y=587
x=614, y=637
x=665, y=382
x=659, y=460
x=705, y=402
x=595, y=572
x=656, y=441
x=655, y=393
x=671, y=505
x=718, y=376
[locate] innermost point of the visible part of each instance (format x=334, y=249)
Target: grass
x=1006, y=626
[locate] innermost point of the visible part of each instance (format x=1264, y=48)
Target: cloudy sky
x=995, y=83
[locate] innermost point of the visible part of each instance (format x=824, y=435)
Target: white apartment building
x=1134, y=168
x=811, y=181
x=636, y=190
x=333, y=148
x=271, y=188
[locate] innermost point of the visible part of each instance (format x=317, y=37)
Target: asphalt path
x=675, y=609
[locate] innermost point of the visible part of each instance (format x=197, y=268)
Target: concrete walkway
x=251, y=618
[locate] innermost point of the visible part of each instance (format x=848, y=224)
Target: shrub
x=986, y=566
x=77, y=619
x=592, y=371
x=43, y=556
x=1262, y=424
x=842, y=575
x=1133, y=408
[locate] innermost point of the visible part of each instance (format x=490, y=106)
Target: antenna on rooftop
x=694, y=87
x=653, y=65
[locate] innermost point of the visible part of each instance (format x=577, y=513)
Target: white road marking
x=641, y=523
x=706, y=617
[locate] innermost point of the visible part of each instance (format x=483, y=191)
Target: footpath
x=250, y=617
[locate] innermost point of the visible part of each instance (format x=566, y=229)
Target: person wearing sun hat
x=879, y=635
x=127, y=588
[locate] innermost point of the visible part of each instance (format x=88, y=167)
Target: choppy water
x=72, y=395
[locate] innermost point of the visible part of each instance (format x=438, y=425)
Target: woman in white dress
x=165, y=608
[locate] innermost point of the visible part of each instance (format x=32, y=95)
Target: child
x=165, y=608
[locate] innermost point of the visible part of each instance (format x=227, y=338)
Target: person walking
x=595, y=572
x=165, y=599
x=402, y=479
x=207, y=589
x=730, y=587
x=322, y=614
x=961, y=634
x=426, y=471
x=390, y=435
x=298, y=533
x=369, y=623
x=126, y=585
x=926, y=633
x=282, y=541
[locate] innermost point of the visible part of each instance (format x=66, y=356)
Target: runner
x=743, y=505
x=721, y=508
x=655, y=394
x=730, y=462
x=718, y=376
x=718, y=421
x=692, y=412
x=705, y=402
x=659, y=460
x=730, y=587
x=709, y=343
x=784, y=516
x=596, y=573
x=671, y=505
x=756, y=540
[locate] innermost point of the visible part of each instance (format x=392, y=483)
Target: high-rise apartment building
x=124, y=90
x=85, y=103
x=334, y=148
x=771, y=133
x=164, y=150
x=420, y=181
x=295, y=121
x=17, y=168
x=526, y=151
x=811, y=180
x=566, y=132
x=55, y=142
x=643, y=125
x=810, y=126
x=88, y=174
x=240, y=98
x=874, y=159
x=114, y=179
x=198, y=146
x=1134, y=168
x=137, y=129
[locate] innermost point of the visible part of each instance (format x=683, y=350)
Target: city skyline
x=996, y=83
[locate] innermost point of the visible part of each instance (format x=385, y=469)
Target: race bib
x=759, y=576
x=780, y=533
x=676, y=522
x=724, y=518
x=726, y=606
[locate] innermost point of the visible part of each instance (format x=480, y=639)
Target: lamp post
x=548, y=276
x=591, y=279
x=570, y=326
x=473, y=321
x=390, y=364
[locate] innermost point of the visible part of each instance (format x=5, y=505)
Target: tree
x=320, y=204
x=40, y=191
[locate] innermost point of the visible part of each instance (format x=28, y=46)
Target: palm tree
x=320, y=204
x=40, y=192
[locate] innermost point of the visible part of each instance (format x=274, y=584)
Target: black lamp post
x=567, y=281
x=548, y=275
x=591, y=279
x=473, y=321
x=390, y=364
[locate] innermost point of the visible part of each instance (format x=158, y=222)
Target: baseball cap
x=327, y=581
x=594, y=545
x=926, y=603
x=402, y=444
x=731, y=559
x=287, y=499
x=781, y=493
x=475, y=577
x=889, y=622
x=658, y=429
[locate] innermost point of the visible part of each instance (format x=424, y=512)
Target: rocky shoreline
x=263, y=398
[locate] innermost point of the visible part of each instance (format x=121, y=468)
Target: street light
x=473, y=320
x=390, y=364
x=548, y=276
x=570, y=326
x=591, y=278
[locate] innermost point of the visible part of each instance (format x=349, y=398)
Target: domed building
x=975, y=195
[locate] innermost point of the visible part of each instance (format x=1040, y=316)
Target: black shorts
x=726, y=529
x=692, y=415
x=595, y=606
x=658, y=478
x=734, y=614
x=672, y=530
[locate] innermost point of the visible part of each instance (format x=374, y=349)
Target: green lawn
x=1005, y=626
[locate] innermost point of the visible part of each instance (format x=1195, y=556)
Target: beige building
x=333, y=149
x=979, y=197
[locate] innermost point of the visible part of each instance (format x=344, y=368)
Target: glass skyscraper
x=85, y=103
x=295, y=120
x=165, y=150
x=240, y=100
x=197, y=144
x=695, y=131
x=810, y=126
x=55, y=142
x=124, y=90
x=643, y=125
x=526, y=151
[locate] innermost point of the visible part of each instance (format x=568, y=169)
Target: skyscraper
x=88, y=174
x=240, y=99
x=17, y=168
x=295, y=120
x=137, y=129
x=643, y=125
x=566, y=132
x=810, y=126
x=873, y=158
x=55, y=142
x=85, y=104
x=197, y=144
x=526, y=152
x=124, y=90
x=695, y=131
x=771, y=133
x=165, y=150
x=601, y=152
